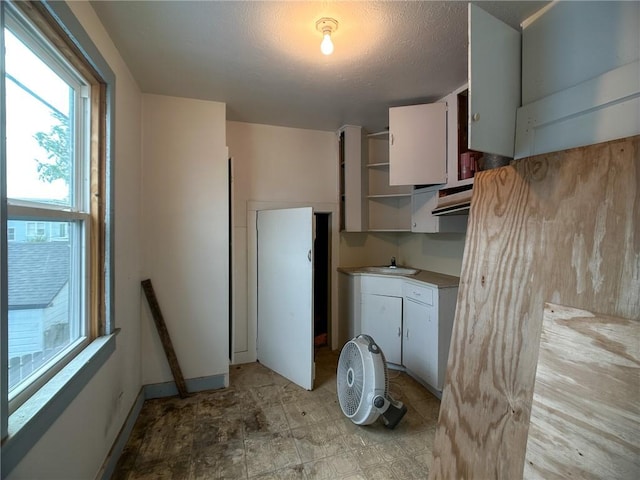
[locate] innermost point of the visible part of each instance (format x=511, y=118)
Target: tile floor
x=265, y=427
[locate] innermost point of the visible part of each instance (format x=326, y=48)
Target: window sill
x=29, y=422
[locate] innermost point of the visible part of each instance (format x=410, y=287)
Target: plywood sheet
x=562, y=228
x=585, y=417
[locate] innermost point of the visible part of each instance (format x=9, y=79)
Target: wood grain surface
x=562, y=228
x=163, y=333
x=585, y=417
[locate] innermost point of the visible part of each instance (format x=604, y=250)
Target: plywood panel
x=585, y=417
x=560, y=227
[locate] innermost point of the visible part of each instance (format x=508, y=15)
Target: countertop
x=438, y=280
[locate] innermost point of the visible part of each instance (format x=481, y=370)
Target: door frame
x=252, y=268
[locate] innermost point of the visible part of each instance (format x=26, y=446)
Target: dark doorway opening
x=321, y=279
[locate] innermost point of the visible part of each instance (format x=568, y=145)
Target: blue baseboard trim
x=109, y=465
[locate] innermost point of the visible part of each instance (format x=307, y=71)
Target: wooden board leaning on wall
x=585, y=416
x=562, y=228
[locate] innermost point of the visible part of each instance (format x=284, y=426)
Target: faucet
x=393, y=262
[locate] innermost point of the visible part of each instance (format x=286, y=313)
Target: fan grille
x=350, y=379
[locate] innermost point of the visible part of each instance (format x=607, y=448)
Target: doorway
x=322, y=279
x=251, y=329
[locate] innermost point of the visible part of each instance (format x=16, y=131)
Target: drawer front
x=418, y=292
x=379, y=285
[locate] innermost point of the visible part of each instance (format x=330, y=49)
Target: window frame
x=21, y=430
x=76, y=211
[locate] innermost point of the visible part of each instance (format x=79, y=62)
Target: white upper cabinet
x=418, y=144
x=580, y=84
x=494, y=83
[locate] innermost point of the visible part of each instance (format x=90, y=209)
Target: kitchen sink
x=391, y=270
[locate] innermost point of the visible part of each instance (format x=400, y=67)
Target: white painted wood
x=252, y=267
x=418, y=144
x=349, y=307
x=420, y=341
x=573, y=42
x=427, y=316
x=453, y=124
x=382, y=320
x=420, y=292
x=381, y=285
x=423, y=201
x=494, y=83
x=285, y=293
x=601, y=109
x=355, y=180
x=388, y=206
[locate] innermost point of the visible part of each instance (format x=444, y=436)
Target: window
x=61, y=230
x=54, y=106
x=35, y=230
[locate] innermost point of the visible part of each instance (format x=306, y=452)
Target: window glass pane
x=45, y=301
x=39, y=119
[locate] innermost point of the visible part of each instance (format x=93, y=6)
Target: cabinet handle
x=391, y=139
x=475, y=117
x=399, y=332
x=407, y=333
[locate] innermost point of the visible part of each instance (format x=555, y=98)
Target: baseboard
x=109, y=465
x=200, y=384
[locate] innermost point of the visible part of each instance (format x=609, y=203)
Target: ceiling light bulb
x=326, y=26
x=326, y=46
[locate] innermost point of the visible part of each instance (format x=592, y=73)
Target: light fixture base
x=326, y=24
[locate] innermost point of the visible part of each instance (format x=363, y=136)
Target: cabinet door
x=423, y=221
x=418, y=144
x=382, y=320
x=422, y=204
x=494, y=83
x=420, y=341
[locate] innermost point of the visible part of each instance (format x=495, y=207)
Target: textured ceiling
x=263, y=58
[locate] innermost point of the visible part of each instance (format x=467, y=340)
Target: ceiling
x=263, y=58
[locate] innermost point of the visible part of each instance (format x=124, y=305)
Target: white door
x=285, y=293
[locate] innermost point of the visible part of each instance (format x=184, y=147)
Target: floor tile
x=265, y=427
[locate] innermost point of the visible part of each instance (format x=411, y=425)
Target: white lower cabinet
x=382, y=320
x=411, y=321
x=420, y=341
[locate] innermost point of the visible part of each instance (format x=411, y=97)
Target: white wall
x=360, y=249
x=185, y=239
x=78, y=442
x=279, y=165
x=440, y=252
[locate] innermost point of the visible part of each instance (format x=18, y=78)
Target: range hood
x=457, y=203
